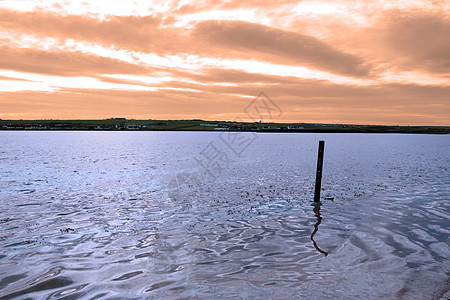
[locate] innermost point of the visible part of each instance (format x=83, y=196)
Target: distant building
x=158, y=124
x=209, y=124
x=105, y=127
x=134, y=127
x=36, y=127
x=62, y=127
x=271, y=128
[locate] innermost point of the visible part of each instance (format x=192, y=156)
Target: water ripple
x=101, y=218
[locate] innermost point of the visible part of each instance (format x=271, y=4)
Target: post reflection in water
x=316, y=210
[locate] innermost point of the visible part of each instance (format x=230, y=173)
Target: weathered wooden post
x=319, y=172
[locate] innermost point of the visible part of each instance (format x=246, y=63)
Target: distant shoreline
x=122, y=124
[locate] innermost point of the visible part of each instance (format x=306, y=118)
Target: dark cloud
x=63, y=63
x=419, y=40
x=267, y=43
x=139, y=33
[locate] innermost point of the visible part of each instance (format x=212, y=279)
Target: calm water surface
x=131, y=215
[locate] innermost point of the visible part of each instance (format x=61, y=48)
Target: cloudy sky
x=335, y=61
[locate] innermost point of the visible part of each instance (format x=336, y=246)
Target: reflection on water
x=96, y=215
x=316, y=210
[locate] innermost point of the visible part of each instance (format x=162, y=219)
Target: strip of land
x=122, y=124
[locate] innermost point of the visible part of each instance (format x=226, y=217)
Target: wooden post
x=319, y=172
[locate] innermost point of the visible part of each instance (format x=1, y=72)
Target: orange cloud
x=301, y=101
x=322, y=61
x=63, y=63
x=278, y=46
x=129, y=32
x=419, y=41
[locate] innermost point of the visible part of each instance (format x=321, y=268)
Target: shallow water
x=127, y=215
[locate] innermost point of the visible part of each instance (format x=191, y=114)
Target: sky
x=335, y=61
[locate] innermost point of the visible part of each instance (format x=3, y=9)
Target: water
x=127, y=215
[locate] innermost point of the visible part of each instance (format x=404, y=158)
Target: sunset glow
x=335, y=61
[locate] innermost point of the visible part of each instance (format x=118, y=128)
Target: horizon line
x=215, y=120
